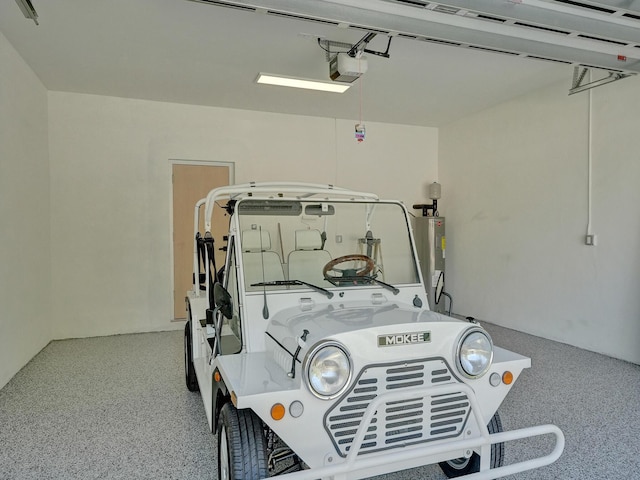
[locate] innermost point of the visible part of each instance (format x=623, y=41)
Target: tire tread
x=246, y=443
x=191, y=379
x=497, y=454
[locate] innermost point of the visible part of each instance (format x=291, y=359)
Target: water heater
x=431, y=244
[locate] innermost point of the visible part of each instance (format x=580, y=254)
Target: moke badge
x=396, y=339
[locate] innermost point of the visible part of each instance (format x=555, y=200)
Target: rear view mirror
x=320, y=210
x=439, y=287
x=223, y=300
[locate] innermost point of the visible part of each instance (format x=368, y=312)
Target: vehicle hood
x=340, y=322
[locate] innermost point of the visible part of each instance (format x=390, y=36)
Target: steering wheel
x=348, y=272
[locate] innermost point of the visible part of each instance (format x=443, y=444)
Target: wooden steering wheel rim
x=348, y=258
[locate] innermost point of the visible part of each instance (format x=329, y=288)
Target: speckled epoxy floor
x=117, y=408
x=110, y=407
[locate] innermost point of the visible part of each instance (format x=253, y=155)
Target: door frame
x=172, y=162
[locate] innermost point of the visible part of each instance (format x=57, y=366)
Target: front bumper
x=355, y=465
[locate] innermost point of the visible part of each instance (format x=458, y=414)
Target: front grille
x=416, y=419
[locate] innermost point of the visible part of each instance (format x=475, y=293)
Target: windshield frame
x=272, y=241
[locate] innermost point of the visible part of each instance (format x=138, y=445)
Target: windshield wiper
x=388, y=286
x=357, y=278
x=280, y=283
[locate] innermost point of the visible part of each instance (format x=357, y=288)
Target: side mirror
x=439, y=287
x=223, y=300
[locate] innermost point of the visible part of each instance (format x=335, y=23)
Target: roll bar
x=266, y=189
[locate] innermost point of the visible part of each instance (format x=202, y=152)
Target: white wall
x=96, y=261
x=111, y=190
x=25, y=269
x=515, y=193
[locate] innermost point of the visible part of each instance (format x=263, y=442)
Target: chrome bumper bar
x=354, y=464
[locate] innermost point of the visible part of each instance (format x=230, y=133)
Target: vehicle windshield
x=290, y=243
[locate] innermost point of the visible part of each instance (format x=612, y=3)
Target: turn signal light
x=507, y=378
x=277, y=411
x=216, y=376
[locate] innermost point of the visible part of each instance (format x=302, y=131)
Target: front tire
x=242, y=446
x=464, y=466
x=189, y=370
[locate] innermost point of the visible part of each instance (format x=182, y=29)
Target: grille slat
x=361, y=398
x=404, y=407
x=391, y=418
x=365, y=390
x=402, y=439
x=338, y=426
x=443, y=430
x=403, y=431
x=405, y=377
x=351, y=433
x=366, y=381
x=391, y=371
x=346, y=408
x=404, y=423
x=450, y=407
x=447, y=400
x=395, y=386
x=455, y=413
x=400, y=422
x=446, y=422
x=337, y=418
x=404, y=400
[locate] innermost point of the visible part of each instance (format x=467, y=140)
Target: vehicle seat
x=308, y=259
x=255, y=253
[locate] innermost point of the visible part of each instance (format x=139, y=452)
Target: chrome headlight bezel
x=462, y=346
x=309, y=376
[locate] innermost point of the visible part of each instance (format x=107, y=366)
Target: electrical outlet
x=590, y=240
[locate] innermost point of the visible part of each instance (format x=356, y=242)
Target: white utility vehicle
x=316, y=353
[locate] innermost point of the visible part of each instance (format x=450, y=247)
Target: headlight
x=328, y=370
x=475, y=353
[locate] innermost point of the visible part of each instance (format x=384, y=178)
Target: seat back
x=256, y=255
x=308, y=259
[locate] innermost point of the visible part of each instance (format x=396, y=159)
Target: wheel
x=242, y=446
x=189, y=371
x=350, y=272
x=463, y=466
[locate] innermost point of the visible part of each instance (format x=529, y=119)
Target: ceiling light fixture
x=28, y=10
x=282, y=81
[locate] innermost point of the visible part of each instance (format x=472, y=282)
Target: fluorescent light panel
x=282, y=81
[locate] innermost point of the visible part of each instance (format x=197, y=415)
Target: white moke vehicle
x=317, y=355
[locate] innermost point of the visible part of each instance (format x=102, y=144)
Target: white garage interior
x=99, y=100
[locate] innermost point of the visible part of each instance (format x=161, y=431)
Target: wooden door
x=190, y=184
